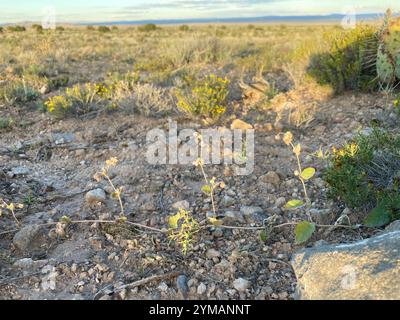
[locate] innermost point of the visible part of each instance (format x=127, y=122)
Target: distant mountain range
x=264, y=19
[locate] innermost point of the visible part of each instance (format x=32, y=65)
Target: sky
x=131, y=10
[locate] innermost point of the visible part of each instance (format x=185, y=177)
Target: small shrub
x=90, y=28
x=184, y=27
x=114, y=28
x=147, y=27
x=6, y=123
x=60, y=28
x=59, y=106
x=1, y=29
x=17, y=91
x=206, y=99
x=37, y=27
x=104, y=29
x=16, y=28
x=365, y=173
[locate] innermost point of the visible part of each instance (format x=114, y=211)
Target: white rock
x=241, y=284
x=95, y=196
x=163, y=287
x=184, y=204
x=201, y=289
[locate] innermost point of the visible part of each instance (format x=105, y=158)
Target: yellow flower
x=288, y=138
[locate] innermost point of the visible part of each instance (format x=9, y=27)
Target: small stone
x=63, y=137
x=228, y=201
x=233, y=216
x=280, y=202
x=25, y=237
x=270, y=177
x=182, y=284
x=321, y=216
x=241, y=125
x=20, y=171
x=163, y=287
x=212, y=253
x=201, y=289
x=241, y=284
x=184, y=204
x=248, y=210
x=95, y=196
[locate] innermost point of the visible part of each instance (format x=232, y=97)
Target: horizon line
x=210, y=20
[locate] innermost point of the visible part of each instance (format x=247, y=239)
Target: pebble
x=184, y=204
x=212, y=253
x=201, y=289
x=241, y=284
x=182, y=284
x=271, y=177
x=95, y=196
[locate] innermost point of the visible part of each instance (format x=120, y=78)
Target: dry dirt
x=49, y=165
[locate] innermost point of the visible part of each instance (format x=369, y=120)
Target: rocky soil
x=49, y=165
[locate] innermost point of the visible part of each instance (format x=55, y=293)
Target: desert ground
x=75, y=97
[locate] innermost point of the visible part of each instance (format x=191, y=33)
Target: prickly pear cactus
x=388, y=58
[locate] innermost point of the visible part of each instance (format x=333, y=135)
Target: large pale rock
x=368, y=269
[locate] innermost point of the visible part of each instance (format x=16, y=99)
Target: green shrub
x=60, y=28
x=104, y=29
x=1, y=29
x=16, y=28
x=59, y=106
x=184, y=27
x=17, y=91
x=349, y=62
x=37, y=27
x=365, y=173
x=6, y=123
x=206, y=99
x=147, y=27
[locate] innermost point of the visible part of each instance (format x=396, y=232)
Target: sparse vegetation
x=205, y=99
x=364, y=174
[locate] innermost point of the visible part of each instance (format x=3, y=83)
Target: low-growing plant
x=10, y=207
x=17, y=91
x=365, y=174
x=182, y=229
x=184, y=27
x=304, y=229
x=16, y=28
x=104, y=173
x=205, y=99
x=38, y=28
x=104, y=29
x=147, y=27
x=6, y=123
x=59, y=106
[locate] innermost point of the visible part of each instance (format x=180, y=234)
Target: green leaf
x=307, y=173
x=206, y=189
x=303, y=231
x=293, y=204
x=378, y=217
x=173, y=220
x=264, y=236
